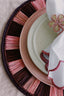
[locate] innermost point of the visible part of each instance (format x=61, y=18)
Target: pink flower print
x=57, y=23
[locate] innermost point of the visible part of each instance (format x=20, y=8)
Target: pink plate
x=23, y=49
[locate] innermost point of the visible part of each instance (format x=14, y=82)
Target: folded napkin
x=53, y=56
x=56, y=55
x=56, y=61
x=54, y=7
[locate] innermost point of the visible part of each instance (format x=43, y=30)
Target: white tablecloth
x=6, y=9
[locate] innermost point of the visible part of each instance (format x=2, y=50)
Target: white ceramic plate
x=40, y=36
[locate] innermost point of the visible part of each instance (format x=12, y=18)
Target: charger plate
x=12, y=60
x=24, y=52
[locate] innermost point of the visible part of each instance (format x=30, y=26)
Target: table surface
x=6, y=9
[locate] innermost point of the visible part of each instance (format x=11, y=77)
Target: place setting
x=33, y=49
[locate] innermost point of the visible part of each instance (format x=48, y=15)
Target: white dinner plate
x=40, y=36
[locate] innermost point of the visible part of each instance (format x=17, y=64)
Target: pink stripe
x=16, y=66
x=59, y=92
x=15, y=71
x=20, y=14
x=20, y=18
x=34, y=86
x=29, y=83
x=13, y=37
x=55, y=92
x=12, y=42
x=21, y=22
x=38, y=4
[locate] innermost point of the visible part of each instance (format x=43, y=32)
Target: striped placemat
x=12, y=60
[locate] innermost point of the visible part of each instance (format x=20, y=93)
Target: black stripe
x=42, y=90
x=39, y=89
x=28, y=9
x=22, y=76
x=14, y=29
x=12, y=55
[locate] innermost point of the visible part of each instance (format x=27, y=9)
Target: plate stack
x=26, y=34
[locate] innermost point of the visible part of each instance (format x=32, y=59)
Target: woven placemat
x=12, y=60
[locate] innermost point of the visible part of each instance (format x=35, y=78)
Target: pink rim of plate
x=24, y=52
